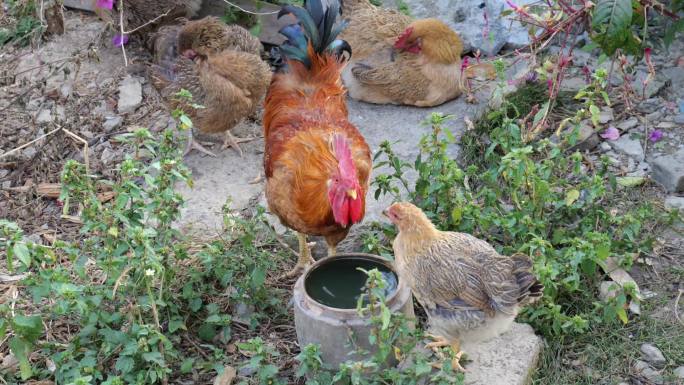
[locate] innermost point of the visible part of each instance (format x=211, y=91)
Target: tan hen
x=467, y=289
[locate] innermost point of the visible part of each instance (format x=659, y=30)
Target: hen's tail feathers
x=530, y=288
x=316, y=28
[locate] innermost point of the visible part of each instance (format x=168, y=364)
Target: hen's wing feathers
x=391, y=72
x=460, y=272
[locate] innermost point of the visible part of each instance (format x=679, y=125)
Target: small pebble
x=653, y=355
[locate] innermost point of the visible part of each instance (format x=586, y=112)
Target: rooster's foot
x=258, y=179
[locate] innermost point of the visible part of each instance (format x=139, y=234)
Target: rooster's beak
x=385, y=212
x=352, y=194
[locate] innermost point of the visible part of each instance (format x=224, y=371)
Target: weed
x=537, y=199
x=25, y=27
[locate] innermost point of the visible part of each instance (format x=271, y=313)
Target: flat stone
x=606, y=115
x=675, y=75
x=509, y=359
x=44, y=117
x=679, y=119
x=669, y=171
x=653, y=355
x=573, y=84
x=679, y=372
x=643, y=369
x=627, y=124
x=674, y=202
x=608, y=290
x=130, y=95
x=111, y=123
x=628, y=146
x=653, y=87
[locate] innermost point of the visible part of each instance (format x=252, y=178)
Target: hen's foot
x=231, y=141
x=439, y=342
x=258, y=179
x=195, y=145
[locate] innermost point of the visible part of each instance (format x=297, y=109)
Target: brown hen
x=228, y=83
x=399, y=60
x=467, y=289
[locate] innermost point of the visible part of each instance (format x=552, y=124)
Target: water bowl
x=325, y=299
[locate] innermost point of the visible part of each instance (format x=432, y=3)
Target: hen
x=228, y=82
x=317, y=164
x=146, y=16
x=468, y=290
x=399, y=60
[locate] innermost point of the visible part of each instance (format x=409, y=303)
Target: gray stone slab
x=669, y=171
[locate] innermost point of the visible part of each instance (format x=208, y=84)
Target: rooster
x=468, y=290
x=225, y=74
x=317, y=164
x=399, y=60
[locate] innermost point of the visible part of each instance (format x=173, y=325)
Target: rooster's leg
x=231, y=141
x=332, y=250
x=304, y=257
x=193, y=144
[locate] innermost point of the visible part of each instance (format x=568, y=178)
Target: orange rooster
x=316, y=162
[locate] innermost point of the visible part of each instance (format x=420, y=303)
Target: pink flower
x=611, y=133
x=119, y=40
x=655, y=135
x=106, y=4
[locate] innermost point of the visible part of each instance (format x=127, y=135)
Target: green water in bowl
x=339, y=283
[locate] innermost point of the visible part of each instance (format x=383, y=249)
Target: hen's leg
x=304, y=257
x=193, y=144
x=455, y=346
x=231, y=141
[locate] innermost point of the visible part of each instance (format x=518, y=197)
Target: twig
x=676, y=306
x=250, y=12
x=29, y=143
x=144, y=25
x=85, y=147
x=121, y=28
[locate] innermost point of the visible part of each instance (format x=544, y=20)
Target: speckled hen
x=468, y=290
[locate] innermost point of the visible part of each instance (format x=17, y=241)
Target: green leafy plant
x=536, y=199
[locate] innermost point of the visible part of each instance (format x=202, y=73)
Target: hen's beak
x=352, y=194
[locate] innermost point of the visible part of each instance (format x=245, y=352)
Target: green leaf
x=571, y=196
x=595, y=115
x=622, y=315
x=386, y=317
x=21, y=350
x=176, y=324
x=611, y=22
x=3, y=328
x=21, y=251
x=630, y=181
x=30, y=327
x=124, y=364
x=207, y=332
x=187, y=365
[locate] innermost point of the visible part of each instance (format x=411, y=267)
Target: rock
x=130, y=95
x=111, y=123
x=573, y=84
x=608, y=290
x=467, y=17
x=227, y=377
x=675, y=75
x=674, y=202
x=60, y=112
x=653, y=355
x=66, y=89
x=628, y=146
x=587, y=138
x=3, y=172
x=9, y=363
x=29, y=152
x=34, y=104
x=243, y=313
x=649, y=105
x=247, y=371
x=109, y=155
x=679, y=372
x=679, y=119
x=653, y=87
x=643, y=369
x=44, y=116
x=605, y=147
x=668, y=170
x=642, y=169
x=666, y=125
x=606, y=115
x=627, y=124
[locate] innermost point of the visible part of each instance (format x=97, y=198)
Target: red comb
x=401, y=40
